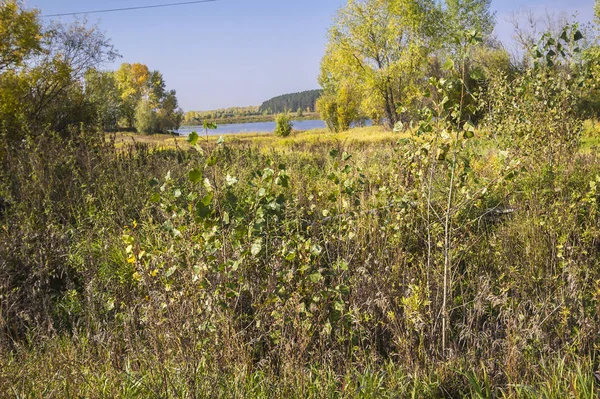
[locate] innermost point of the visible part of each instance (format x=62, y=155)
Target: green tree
x=102, y=92
x=20, y=34
x=464, y=15
x=45, y=91
x=169, y=115
x=145, y=117
x=380, y=49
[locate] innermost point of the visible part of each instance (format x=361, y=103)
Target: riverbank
x=369, y=134
x=256, y=118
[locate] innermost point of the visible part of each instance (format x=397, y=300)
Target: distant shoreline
x=255, y=118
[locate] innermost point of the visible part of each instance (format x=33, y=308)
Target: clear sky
x=240, y=52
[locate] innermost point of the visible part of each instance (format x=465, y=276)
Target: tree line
x=303, y=101
x=221, y=113
x=381, y=56
x=51, y=79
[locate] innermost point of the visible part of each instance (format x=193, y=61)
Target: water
x=254, y=127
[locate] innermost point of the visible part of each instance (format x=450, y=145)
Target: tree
x=463, y=15
x=41, y=85
x=102, y=92
x=339, y=110
x=20, y=34
x=380, y=48
x=132, y=80
x=145, y=117
x=169, y=115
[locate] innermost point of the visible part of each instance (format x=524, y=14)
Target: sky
x=241, y=52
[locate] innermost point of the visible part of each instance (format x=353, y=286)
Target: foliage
x=102, y=92
x=145, y=117
x=223, y=113
x=444, y=260
x=287, y=102
x=45, y=89
x=339, y=110
x=283, y=125
x=536, y=112
x=463, y=15
x=20, y=34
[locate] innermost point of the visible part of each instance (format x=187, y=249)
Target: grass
x=295, y=267
x=354, y=136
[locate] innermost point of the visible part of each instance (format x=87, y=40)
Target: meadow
x=306, y=266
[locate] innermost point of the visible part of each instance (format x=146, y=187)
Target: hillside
x=304, y=100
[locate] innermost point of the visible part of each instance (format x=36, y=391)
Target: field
x=306, y=266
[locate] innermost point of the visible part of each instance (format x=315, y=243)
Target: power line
x=128, y=8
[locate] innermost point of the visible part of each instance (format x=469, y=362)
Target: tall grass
x=288, y=267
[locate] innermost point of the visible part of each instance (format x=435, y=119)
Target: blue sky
x=240, y=52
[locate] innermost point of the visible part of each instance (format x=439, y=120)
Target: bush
x=284, y=125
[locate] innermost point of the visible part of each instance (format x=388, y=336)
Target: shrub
x=284, y=125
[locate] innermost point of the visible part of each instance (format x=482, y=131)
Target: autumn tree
x=20, y=34
x=379, y=48
x=132, y=80
x=42, y=69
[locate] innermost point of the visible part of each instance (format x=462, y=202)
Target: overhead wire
x=128, y=8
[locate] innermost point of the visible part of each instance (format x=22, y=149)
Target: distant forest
x=222, y=113
x=293, y=102
x=304, y=100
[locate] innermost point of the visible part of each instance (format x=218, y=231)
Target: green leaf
x=207, y=199
x=346, y=156
x=221, y=140
x=202, y=211
x=333, y=153
x=155, y=198
x=578, y=36
x=195, y=175
x=193, y=138
x=209, y=125
x=211, y=161
x=564, y=36
x=448, y=65
x=256, y=247
x=468, y=134
x=170, y=272
x=207, y=185
x=315, y=277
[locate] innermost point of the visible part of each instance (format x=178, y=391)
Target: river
x=254, y=127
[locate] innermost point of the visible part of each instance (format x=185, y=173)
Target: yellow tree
x=132, y=81
x=380, y=48
x=20, y=34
